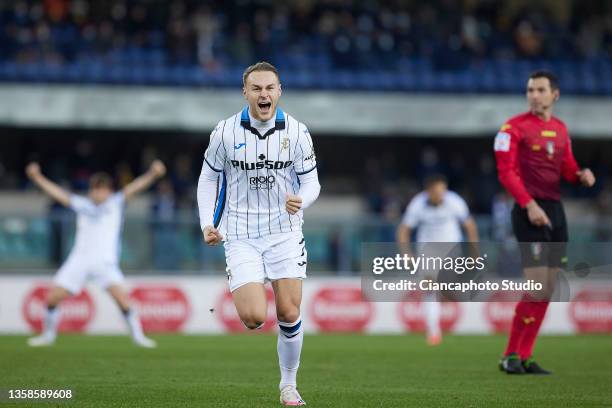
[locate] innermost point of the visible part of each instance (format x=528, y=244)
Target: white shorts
x=76, y=271
x=269, y=258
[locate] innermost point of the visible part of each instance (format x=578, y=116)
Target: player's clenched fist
x=32, y=170
x=212, y=236
x=293, y=203
x=158, y=168
x=586, y=177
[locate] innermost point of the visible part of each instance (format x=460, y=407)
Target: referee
x=533, y=152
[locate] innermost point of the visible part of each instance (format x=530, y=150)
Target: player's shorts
x=535, y=242
x=77, y=270
x=268, y=258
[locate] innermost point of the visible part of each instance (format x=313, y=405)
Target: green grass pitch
x=336, y=371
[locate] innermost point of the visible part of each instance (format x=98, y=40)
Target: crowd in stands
x=393, y=44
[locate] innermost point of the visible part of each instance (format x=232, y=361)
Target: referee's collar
x=279, y=123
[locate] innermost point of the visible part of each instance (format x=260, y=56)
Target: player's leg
x=288, y=297
x=119, y=294
x=111, y=278
x=51, y=319
x=251, y=304
x=285, y=262
x=531, y=240
x=69, y=280
x=246, y=277
x=556, y=255
x=433, y=310
x=431, y=305
x=537, y=313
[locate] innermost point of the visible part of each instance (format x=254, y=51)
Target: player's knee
x=253, y=321
x=288, y=314
x=253, y=324
x=56, y=295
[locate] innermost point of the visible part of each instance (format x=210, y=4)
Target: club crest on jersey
x=284, y=144
x=550, y=149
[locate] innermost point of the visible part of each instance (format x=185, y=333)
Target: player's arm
x=464, y=217
x=52, y=189
x=207, y=187
x=410, y=220
x=212, y=167
x=472, y=237
x=570, y=170
x=471, y=230
x=467, y=222
x=144, y=181
x=307, y=194
x=305, y=165
x=506, y=149
x=402, y=236
x=506, y=155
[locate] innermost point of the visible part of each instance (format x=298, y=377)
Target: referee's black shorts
x=542, y=246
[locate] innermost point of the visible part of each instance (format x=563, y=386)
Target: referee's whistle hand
x=586, y=177
x=212, y=236
x=293, y=203
x=536, y=214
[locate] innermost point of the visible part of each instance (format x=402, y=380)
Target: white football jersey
x=98, y=229
x=441, y=223
x=256, y=172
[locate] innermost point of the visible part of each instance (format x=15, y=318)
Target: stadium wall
x=331, y=113
x=198, y=305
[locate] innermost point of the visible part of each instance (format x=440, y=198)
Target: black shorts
x=542, y=246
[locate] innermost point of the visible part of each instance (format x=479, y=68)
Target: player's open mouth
x=264, y=107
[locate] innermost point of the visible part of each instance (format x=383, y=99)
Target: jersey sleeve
x=569, y=167
x=506, y=148
x=305, y=159
x=216, y=153
x=411, y=215
x=80, y=204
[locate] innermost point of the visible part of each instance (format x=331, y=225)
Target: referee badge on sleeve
x=502, y=142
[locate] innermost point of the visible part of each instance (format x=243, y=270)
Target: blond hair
x=260, y=66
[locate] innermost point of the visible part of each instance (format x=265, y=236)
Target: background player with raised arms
x=261, y=161
x=97, y=246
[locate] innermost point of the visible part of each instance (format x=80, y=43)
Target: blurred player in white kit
x=95, y=254
x=438, y=216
